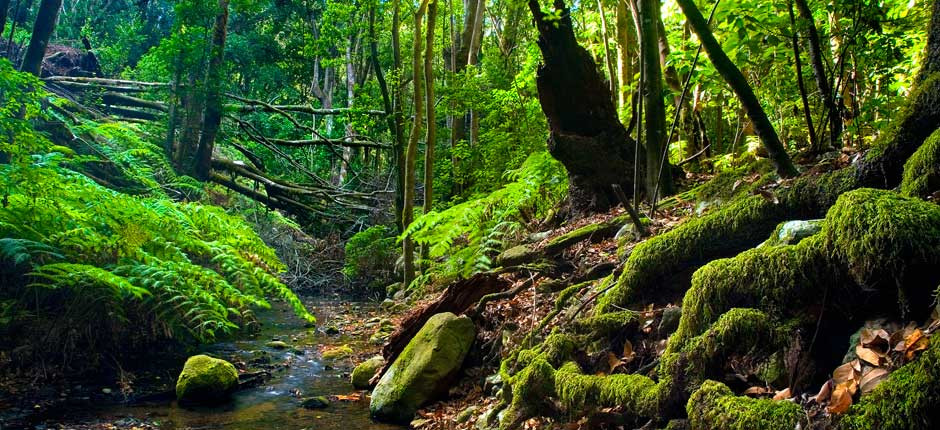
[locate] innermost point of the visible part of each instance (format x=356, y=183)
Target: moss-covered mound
x=206, y=380
x=922, y=170
x=714, y=407
x=423, y=369
x=365, y=371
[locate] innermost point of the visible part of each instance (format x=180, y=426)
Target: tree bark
x=399, y=117
x=393, y=125
x=608, y=57
x=658, y=170
x=932, y=59
x=412, y=152
x=212, y=119
x=819, y=72
x=626, y=52
x=586, y=133
x=42, y=30
x=813, y=143
x=431, y=136
x=737, y=81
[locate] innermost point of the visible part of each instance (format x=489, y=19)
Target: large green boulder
x=206, y=380
x=424, y=369
x=365, y=371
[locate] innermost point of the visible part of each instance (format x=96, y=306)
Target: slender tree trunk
x=608, y=57
x=813, y=143
x=431, y=136
x=473, y=55
x=658, y=169
x=626, y=53
x=393, y=125
x=174, y=100
x=738, y=83
x=412, y=152
x=350, y=101
x=399, y=116
x=213, y=117
x=42, y=30
x=819, y=72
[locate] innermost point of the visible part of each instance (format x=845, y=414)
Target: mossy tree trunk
x=658, y=171
x=212, y=119
x=412, y=151
x=39, y=40
x=431, y=135
x=733, y=76
x=586, y=133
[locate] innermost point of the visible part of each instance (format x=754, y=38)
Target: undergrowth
x=465, y=238
x=86, y=267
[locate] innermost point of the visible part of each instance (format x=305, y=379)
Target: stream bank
x=275, y=381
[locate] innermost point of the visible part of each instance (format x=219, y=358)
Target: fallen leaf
x=757, y=391
x=841, y=400
x=871, y=379
x=613, y=361
x=845, y=372
x=919, y=345
x=825, y=392
x=354, y=397
x=867, y=355
x=783, y=394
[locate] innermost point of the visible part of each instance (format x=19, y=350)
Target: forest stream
x=296, y=373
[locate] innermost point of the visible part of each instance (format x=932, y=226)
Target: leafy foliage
x=463, y=239
x=128, y=264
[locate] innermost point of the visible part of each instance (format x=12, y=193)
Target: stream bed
x=297, y=372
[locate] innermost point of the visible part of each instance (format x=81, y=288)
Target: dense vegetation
x=566, y=175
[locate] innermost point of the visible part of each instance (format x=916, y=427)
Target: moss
x=636, y=394
x=337, y=353
x=206, y=380
x=365, y=371
x=881, y=233
x=737, y=226
x=424, y=368
x=531, y=389
x=598, y=230
x=909, y=398
x=922, y=170
x=609, y=324
x=722, y=186
x=714, y=407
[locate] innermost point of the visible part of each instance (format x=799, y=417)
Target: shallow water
x=275, y=404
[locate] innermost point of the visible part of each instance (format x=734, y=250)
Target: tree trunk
x=42, y=30
x=412, y=152
x=932, y=59
x=213, y=116
x=348, y=153
x=431, y=136
x=738, y=83
x=626, y=52
x=390, y=117
x=813, y=143
x=608, y=57
x=658, y=170
x=399, y=116
x=586, y=134
x=819, y=72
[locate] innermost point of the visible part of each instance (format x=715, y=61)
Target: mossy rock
x=206, y=380
x=317, y=402
x=922, y=170
x=337, y=353
x=424, y=368
x=517, y=255
x=277, y=344
x=714, y=407
x=792, y=232
x=365, y=371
